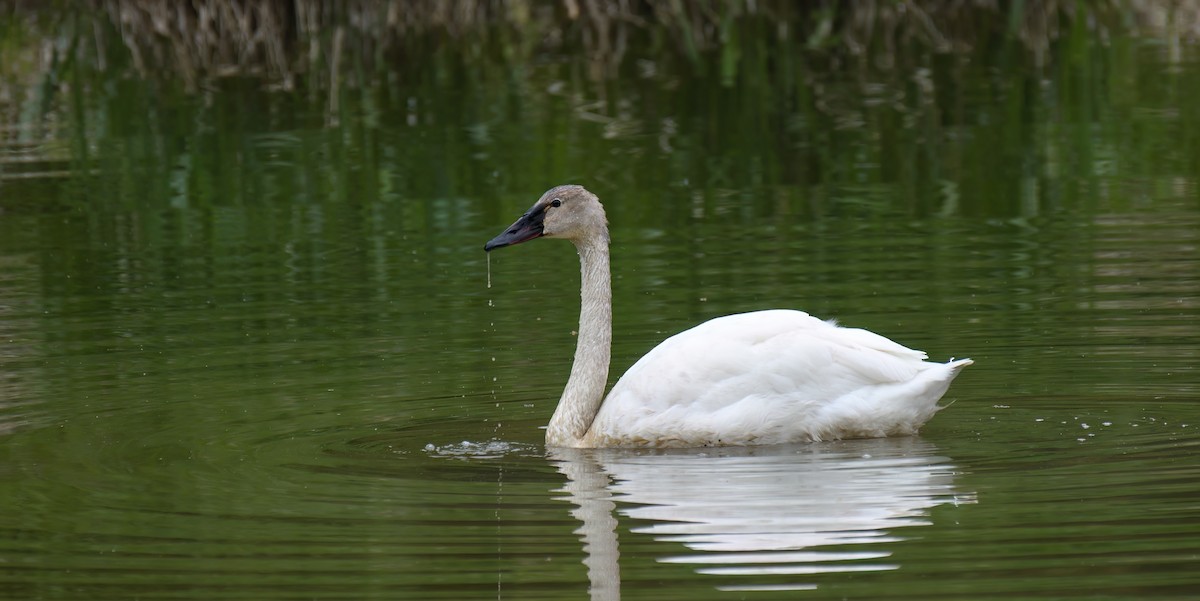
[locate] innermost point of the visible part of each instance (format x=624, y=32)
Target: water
x=246, y=354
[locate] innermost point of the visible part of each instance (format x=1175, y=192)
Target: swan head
x=568, y=212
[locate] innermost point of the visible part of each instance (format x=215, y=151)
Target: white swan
x=756, y=378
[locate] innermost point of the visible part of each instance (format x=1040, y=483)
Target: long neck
x=589, y=374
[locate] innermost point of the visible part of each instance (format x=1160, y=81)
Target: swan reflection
x=756, y=513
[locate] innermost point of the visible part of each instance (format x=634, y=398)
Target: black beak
x=528, y=227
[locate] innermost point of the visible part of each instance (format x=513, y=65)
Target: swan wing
x=767, y=377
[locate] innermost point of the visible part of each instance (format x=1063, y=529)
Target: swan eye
x=556, y=202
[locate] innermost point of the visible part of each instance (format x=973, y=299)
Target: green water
x=248, y=349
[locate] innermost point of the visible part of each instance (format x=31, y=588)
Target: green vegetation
x=765, y=108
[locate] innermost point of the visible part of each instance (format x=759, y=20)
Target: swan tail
x=958, y=364
x=942, y=374
x=895, y=409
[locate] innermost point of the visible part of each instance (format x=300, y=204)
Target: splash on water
x=488, y=449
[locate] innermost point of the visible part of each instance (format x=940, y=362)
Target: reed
x=79, y=76
x=332, y=42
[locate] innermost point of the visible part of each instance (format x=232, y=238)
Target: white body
x=771, y=377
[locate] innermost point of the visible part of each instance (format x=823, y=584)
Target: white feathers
x=770, y=377
x=753, y=378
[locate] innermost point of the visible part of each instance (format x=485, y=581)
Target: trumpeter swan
x=756, y=378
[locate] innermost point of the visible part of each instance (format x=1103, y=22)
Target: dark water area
x=248, y=347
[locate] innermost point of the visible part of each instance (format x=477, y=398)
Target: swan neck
x=582, y=397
